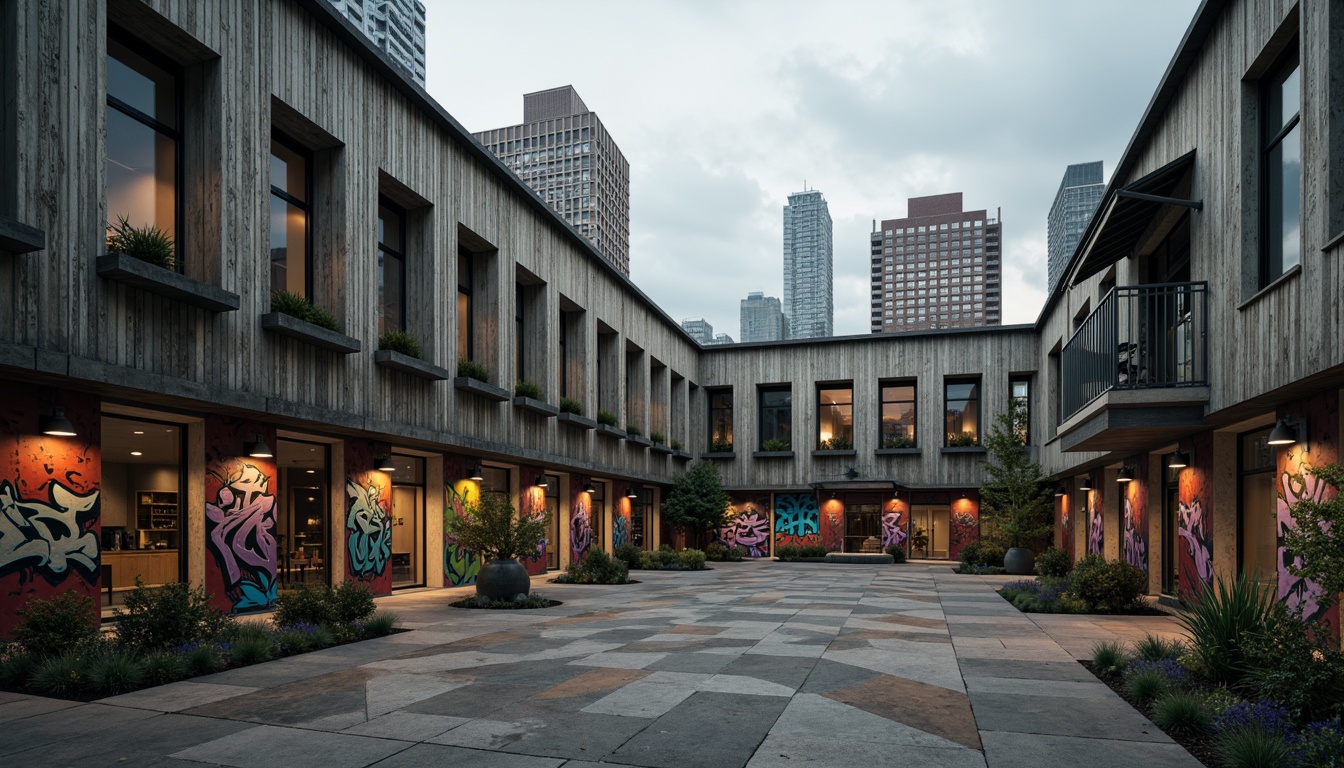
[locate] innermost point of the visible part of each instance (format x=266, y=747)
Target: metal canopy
x=1128, y=214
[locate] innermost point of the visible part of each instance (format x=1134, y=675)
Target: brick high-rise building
x=395, y=26
x=809, y=303
x=1079, y=194
x=564, y=153
x=936, y=268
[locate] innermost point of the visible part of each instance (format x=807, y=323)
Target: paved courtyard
x=751, y=664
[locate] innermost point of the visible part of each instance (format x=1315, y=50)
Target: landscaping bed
x=528, y=602
x=1091, y=586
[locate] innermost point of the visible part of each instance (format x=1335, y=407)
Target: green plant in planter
x=897, y=442
x=472, y=370
x=527, y=389
x=675, y=444
x=148, y=244
x=400, y=341
x=658, y=437
x=835, y=444
x=963, y=440
x=606, y=417
x=300, y=308
x=569, y=405
x=775, y=445
x=721, y=446
x=633, y=430
x=494, y=531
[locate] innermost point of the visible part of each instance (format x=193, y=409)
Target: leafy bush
x=629, y=554
x=1108, y=587
x=1109, y=659
x=527, y=389
x=982, y=552
x=692, y=559
x=1320, y=745
x=352, y=601
x=1146, y=684
x=597, y=567
x=64, y=675
x=633, y=430
x=1222, y=619
x=155, y=618
x=251, y=650
x=163, y=667
x=606, y=417
x=204, y=658
x=775, y=444
x=1253, y=748
x=980, y=570
x=675, y=444
x=148, y=243
x=400, y=341
x=300, y=308
x=812, y=550
x=1053, y=562
x=472, y=370
x=1182, y=712
x=963, y=440
x=648, y=561
x=716, y=552
x=658, y=437
x=897, y=442
x=53, y=627
x=570, y=405
x=305, y=605
x=297, y=638
x=734, y=554
x=493, y=530
x=114, y=671
x=520, y=601
x=835, y=444
x=787, y=552
x=721, y=446
x=382, y=623
x=1154, y=648
x=1285, y=663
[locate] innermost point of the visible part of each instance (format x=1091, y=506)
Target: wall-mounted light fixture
x=833, y=496
x=1125, y=476
x=1283, y=433
x=895, y=495
x=541, y=481
x=475, y=474
x=385, y=464
x=632, y=493
x=1060, y=490
x=57, y=424
x=588, y=488
x=1178, y=460
x=963, y=495
x=1086, y=483
x=851, y=473
x=258, y=449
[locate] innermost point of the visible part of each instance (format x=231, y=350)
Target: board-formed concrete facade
x=1162, y=335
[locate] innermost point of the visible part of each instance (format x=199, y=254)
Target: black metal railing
x=1139, y=337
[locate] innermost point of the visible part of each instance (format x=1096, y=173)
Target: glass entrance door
x=408, y=521
x=303, y=533
x=929, y=528
x=863, y=528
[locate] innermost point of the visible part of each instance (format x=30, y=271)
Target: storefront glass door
x=408, y=521
x=304, y=532
x=929, y=528
x=141, y=504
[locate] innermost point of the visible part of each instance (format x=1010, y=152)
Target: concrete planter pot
x=1018, y=561
x=502, y=579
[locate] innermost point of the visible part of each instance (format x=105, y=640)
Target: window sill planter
x=837, y=453
x=412, y=365
x=576, y=421
x=898, y=451
x=610, y=431
x=481, y=389
x=660, y=448
x=285, y=325
x=683, y=455
x=718, y=455
x=120, y=268
x=966, y=449
x=532, y=405
x=17, y=237
x=639, y=440
x=772, y=454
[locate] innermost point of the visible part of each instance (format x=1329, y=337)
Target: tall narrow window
x=1257, y=509
x=898, y=415
x=466, y=327
x=564, y=355
x=1019, y=396
x=962, y=413
x=519, y=332
x=1281, y=162
x=720, y=420
x=391, y=268
x=291, y=224
x=776, y=418
x=143, y=144
x=835, y=418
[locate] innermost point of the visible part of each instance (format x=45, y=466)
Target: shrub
x=64, y=675
x=692, y=559
x=1261, y=715
x=163, y=667
x=721, y=446
x=774, y=444
x=53, y=627
x=305, y=605
x=658, y=437
x=598, y=568
x=527, y=389
x=534, y=600
x=352, y=601
x=835, y=444
x=982, y=552
x=204, y=658
x=1182, y=712
x=168, y=616
x=675, y=444
x=1154, y=648
x=115, y=670
x=716, y=552
x=734, y=554
x=812, y=550
x=300, y=308
x=897, y=442
x=1253, y=748
x=1320, y=745
x=1109, y=587
x=606, y=417
x=1284, y=663
x=980, y=570
x=383, y=622
x=963, y=440
x=252, y=649
x=1053, y=562
x=1109, y=659
x=297, y=638
x=787, y=552
x=400, y=341
x=570, y=405
x=1145, y=685
x=472, y=370
x=323, y=637
x=628, y=554
x=667, y=556
x=633, y=430
x=148, y=243
x=17, y=668
x=492, y=529
x=1220, y=621
x=648, y=561
x=897, y=552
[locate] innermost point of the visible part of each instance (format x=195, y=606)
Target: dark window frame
x=883, y=402
x=564, y=354
x=979, y=408
x=467, y=259
x=304, y=205
x=149, y=53
x=1242, y=474
x=1012, y=398
x=835, y=387
x=519, y=332
x=711, y=410
x=761, y=410
x=400, y=256
x=1288, y=61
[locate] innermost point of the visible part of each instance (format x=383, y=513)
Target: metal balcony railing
x=1139, y=337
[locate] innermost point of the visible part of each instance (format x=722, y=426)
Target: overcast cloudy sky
x=725, y=108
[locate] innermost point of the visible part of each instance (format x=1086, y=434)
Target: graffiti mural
x=1194, y=520
x=50, y=538
x=580, y=527
x=797, y=520
x=619, y=529
x=893, y=524
x=460, y=567
x=965, y=525
x=1064, y=526
x=1096, y=530
x=1134, y=517
x=534, y=505
x=833, y=525
x=240, y=532
x=1134, y=545
x=1295, y=483
x=748, y=528
x=368, y=530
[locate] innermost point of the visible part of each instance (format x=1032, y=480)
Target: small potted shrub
x=400, y=341
x=527, y=389
x=835, y=444
x=569, y=405
x=658, y=437
x=633, y=430
x=148, y=244
x=963, y=440
x=897, y=442
x=469, y=369
x=300, y=308
x=775, y=445
x=498, y=535
x=675, y=444
x=606, y=417
x=721, y=446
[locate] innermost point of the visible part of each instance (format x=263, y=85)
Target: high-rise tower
x=1079, y=194
x=395, y=26
x=809, y=304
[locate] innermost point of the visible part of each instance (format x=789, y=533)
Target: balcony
x=1136, y=370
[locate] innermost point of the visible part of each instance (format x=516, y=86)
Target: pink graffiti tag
x=242, y=524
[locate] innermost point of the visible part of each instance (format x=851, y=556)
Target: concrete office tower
x=721, y=338
x=1077, y=198
x=936, y=268
x=809, y=303
x=762, y=318
x=395, y=26
x=562, y=151
x=699, y=329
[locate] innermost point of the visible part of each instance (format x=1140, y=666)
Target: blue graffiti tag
x=796, y=514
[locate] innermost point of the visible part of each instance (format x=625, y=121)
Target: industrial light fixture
x=895, y=495
x=258, y=449
x=588, y=488
x=475, y=474
x=58, y=425
x=632, y=493
x=385, y=464
x=1179, y=460
x=1125, y=476
x=1086, y=483
x=963, y=495
x=1282, y=434
x=1060, y=490
x=851, y=473
x=541, y=481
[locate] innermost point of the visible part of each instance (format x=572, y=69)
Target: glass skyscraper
x=809, y=303
x=1078, y=196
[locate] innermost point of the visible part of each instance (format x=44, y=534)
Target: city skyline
x=809, y=273
x=787, y=93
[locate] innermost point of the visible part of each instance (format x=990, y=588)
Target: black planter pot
x=502, y=579
x=1018, y=561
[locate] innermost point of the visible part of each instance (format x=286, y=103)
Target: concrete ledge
x=287, y=325
x=576, y=421
x=480, y=389
x=717, y=455
x=660, y=448
x=127, y=270
x=836, y=453
x=898, y=451
x=868, y=558
x=17, y=237
x=610, y=431
x=533, y=405
x=414, y=366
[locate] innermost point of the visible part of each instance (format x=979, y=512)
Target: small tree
x=1017, y=504
x=697, y=500
x=1317, y=542
x=492, y=529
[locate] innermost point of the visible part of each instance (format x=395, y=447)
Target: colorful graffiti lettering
x=580, y=531
x=893, y=529
x=749, y=531
x=1095, y=529
x=619, y=528
x=1135, y=548
x=797, y=516
x=49, y=538
x=369, y=530
x=965, y=529
x=460, y=567
x=1297, y=591
x=1196, y=544
x=240, y=534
